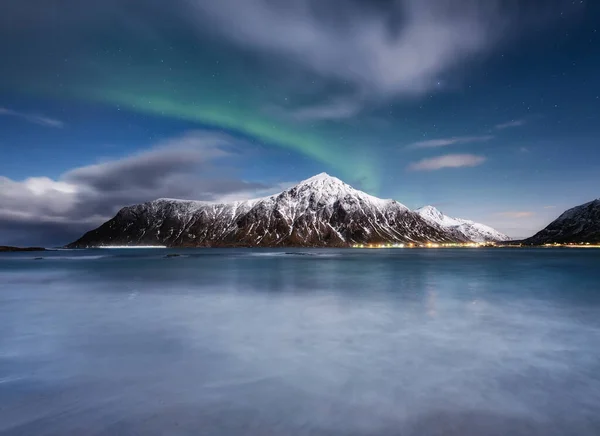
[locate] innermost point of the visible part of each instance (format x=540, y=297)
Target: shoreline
x=357, y=246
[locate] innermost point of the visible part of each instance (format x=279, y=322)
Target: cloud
x=85, y=197
x=401, y=46
x=509, y=124
x=32, y=118
x=444, y=142
x=335, y=110
x=516, y=214
x=149, y=169
x=447, y=161
x=549, y=207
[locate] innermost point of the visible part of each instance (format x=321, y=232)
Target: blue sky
x=488, y=110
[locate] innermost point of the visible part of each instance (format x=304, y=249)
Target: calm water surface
x=300, y=342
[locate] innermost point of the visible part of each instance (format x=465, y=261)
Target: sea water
x=300, y=342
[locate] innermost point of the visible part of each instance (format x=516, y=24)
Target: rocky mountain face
x=576, y=225
x=321, y=211
x=459, y=228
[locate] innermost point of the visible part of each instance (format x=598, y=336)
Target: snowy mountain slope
x=321, y=211
x=579, y=224
x=459, y=227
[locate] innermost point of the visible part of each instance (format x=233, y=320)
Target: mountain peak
x=326, y=185
x=430, y=211
x=429, y=208
x=321, y=177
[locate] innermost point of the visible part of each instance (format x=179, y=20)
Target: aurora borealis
x=170, y=78
x=507, y=94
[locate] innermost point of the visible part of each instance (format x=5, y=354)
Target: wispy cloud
x=335, y=110
x=32, y=118
x=549, y=207
x=444, y=142
x=447, y=161
x=400, y=47
x=516, y=214
x=510, y=124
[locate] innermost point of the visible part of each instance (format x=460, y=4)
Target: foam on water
x=296, y=254
x=129, y=247
x=76, y=258
x=453, y=342
x=51, y=257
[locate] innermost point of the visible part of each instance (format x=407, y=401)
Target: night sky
x=489, y=110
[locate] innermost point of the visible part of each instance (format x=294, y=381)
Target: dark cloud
x=42, y=210
x=151, y=169
x=26, y=234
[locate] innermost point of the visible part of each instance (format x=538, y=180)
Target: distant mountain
x=5, y=249
x=321, y=211
x=579, y=224
x=460, y=228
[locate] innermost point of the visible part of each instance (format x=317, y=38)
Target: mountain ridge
x=321, y=211
x=473, y=231
x=579, y=224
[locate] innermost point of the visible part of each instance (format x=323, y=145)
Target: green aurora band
x=179, y=77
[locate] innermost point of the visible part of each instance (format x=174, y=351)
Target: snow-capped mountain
x=461, y=228
x=321, y=211
x=579, y=224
